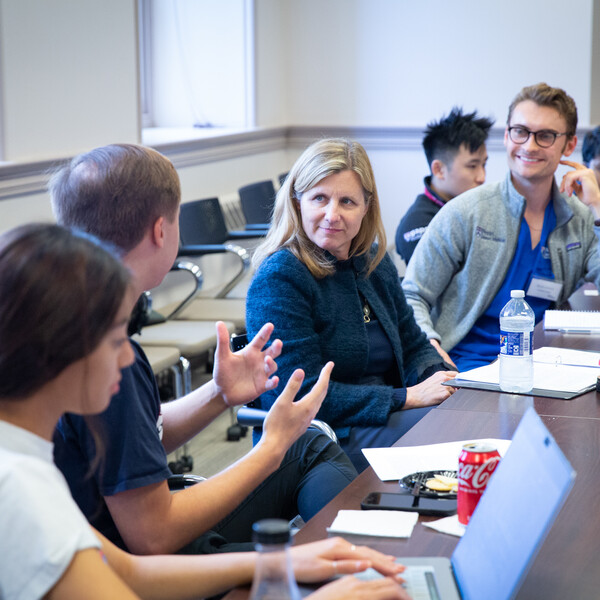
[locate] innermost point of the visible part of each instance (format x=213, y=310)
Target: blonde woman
x=324, y=280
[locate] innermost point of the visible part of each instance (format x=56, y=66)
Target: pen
x=583, y=331
x=558, y=363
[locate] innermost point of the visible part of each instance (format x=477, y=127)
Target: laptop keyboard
x=420, y=582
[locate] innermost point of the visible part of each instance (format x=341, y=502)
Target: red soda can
x=476, y=463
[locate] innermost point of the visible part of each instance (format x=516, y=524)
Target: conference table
x=568, y=564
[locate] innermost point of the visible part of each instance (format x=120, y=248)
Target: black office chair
x=203, y=231
x=282, y=177
x=257, y=201
x=203, y=222
x=180, y=481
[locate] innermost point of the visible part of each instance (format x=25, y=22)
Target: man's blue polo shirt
x=482, y=344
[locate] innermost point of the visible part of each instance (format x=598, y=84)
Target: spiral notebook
x=557, y=373
x=572, y=321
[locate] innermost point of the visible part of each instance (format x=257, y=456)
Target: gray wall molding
x=32, y=178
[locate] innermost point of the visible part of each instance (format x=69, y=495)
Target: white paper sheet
x=383, y=523
x=449, y=525
x=566, y=356
x=391, y=464
x=572, y=320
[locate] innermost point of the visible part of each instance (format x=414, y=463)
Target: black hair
x=444, y=138
x=591, y=146
x=60, y=292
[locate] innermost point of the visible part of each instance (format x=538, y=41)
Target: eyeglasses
x=543, y=138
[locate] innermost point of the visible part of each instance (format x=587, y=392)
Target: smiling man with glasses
x=525, y=232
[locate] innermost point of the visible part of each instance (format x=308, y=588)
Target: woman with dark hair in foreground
x=64, y=307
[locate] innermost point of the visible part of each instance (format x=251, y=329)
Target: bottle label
x=516, y=343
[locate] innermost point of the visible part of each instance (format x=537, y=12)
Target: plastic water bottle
x=516, y=344
x=273, y=578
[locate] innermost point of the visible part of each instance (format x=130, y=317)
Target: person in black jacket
x=590, y=151
x=456, y=153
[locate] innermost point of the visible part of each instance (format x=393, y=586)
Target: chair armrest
x=324, y=428
x=238, y=341
x=264, y=227
x=250, y=233
x=181, y=481
x=241, y=253
x=254, y=417
x=201, y=249
x=251, y=417
x=194, y=270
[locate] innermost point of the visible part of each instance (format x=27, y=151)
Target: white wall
x=274, y=41
x=397, y=62
x=595, y=67
x=226, y=177
x=69, y=76
x=25, y=209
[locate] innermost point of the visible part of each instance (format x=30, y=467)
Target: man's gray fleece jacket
x=462, y=260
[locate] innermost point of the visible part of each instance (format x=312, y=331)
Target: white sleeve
x=41, y=528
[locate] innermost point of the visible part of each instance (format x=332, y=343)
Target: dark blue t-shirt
x=482, y=344
x=133, y=454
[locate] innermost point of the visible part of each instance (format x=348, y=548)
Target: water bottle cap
x=517, y=294
x=271, y=531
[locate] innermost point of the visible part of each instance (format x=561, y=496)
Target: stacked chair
x=203, y=232
x=257, y=200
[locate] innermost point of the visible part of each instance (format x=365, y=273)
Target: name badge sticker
x=547, y=289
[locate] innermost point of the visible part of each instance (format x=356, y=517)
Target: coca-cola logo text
x=476, y=476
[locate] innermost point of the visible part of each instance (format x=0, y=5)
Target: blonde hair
x=320, y=160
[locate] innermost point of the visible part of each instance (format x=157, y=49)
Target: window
x=196, y=63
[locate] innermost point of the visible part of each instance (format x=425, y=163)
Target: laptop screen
x=514, y=515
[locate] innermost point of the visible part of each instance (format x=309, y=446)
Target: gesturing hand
x=583, y=183
x=287, y=419
x=244, y=375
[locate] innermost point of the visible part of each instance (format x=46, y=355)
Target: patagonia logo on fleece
x=414, y=235
x=573, y=246
x=484, y=234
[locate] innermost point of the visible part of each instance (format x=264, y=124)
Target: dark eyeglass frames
x=543, y=138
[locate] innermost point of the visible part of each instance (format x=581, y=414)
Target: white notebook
x=557, y=373
x=573, y=321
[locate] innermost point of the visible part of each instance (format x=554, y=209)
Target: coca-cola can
x=476, y=464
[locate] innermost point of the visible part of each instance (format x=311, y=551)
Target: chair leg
x=182, y=377
x=186, y=378
x=235, y=431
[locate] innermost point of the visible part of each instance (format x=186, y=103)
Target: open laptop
x=508, y=527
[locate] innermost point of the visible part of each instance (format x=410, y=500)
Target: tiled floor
x=210, y=450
